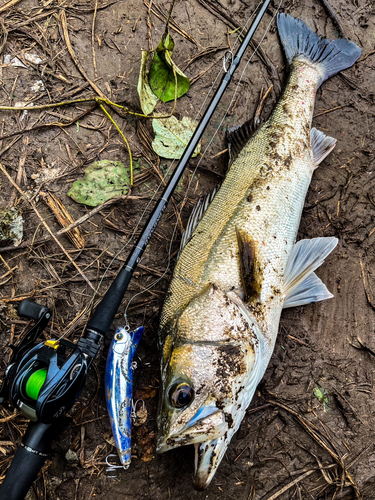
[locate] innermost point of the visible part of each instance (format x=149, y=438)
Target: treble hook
x=134, y=408
x=113, y=467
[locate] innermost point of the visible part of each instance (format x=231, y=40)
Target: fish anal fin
x=321, y=145
x=304, y=258
x=312, y=289
x=250, y=271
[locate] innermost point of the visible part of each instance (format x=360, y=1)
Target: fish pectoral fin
x=321, y=145
x=312, y=289
x=304, y=258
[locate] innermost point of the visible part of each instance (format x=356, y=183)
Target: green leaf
x=103, y=180
x=172, y=136
x=161, y=76
x=323, y=397
x=147, y=98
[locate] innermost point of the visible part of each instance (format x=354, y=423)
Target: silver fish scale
x=263, y=196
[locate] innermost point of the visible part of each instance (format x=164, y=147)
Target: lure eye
x=119, y=336
x=181, y=395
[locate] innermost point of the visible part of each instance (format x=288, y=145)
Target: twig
x=74, y=57
x=93, y=37
x=4, y=35
x=258, y=111
x=332, y=14
x=46, y=106
x=77, y=101
x=365, y=284
x=64, y=218
x=8, y=5
x=292, y=483
x=46, y=226
x=21, y=171
x=77, y=223
x=32, y=19
x=10, y=417
x=124, y=139
x=330, y=110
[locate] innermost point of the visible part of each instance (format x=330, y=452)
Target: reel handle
x=29, y=459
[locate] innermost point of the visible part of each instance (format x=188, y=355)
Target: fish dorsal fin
x=196, y=215
x=312, y=289
x=237, y=137
x=304, y=258
x=321, y=145
x=249, y=272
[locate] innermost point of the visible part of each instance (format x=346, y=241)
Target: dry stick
x=10, y=417
x=5, y=35
x=32, y=19
x=310, y=429
x=77, y=223
x=64, y=218
x=52, y=124
x=74, y=57
x=124, y=139
x=46, y=106
x=46, y=226
x=5, y=149
x=93, y=38
x=330, y=110
x=292, y=483
x=21, y=171
x=87, y=99
x=366, y=56
x=332, y=14
x=368, y=297
x=8, y=4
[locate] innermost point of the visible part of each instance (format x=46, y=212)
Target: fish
x=240, y=264
x=119, y=388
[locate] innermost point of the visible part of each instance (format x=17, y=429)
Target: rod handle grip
x=21, y=474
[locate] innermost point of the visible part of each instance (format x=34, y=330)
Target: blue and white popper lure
x=119, y=389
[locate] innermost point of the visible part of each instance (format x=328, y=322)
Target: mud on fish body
x=239, y=265
x=119, y=389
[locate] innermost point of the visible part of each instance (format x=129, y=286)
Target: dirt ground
x=292, y=444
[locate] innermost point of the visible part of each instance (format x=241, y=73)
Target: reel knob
x=30, y=309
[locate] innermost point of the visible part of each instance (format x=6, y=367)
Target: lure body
x=119, y=389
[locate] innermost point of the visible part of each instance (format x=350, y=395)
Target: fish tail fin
x=299, y=40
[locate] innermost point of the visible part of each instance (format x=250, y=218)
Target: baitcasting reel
x=44, y=381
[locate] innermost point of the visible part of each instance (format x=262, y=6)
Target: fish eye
x=181, y=395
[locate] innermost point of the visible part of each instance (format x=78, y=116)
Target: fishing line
x=207, y=147
x=238, y=38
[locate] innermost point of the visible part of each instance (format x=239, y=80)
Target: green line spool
x=35, y=382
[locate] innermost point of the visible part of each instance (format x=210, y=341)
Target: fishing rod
x=45, y=380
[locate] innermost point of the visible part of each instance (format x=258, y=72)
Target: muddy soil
x=309, y=432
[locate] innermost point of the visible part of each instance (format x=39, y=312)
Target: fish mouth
x=208, y=423
x=208, y=456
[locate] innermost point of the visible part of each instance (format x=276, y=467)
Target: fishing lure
x=119, y=388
